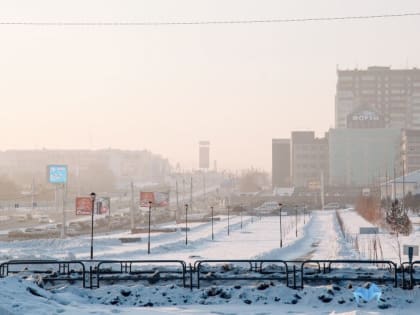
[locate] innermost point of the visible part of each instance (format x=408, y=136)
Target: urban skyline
x=117, y=87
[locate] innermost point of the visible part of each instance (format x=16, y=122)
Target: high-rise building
x=394, y=94
x=309, y=159
x=204, y=155
x=280, y=163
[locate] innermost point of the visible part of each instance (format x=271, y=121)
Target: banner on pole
x=158, y=199
x=83, y=206
x=105, y=205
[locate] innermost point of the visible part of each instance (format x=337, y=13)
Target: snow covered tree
x=398, y=220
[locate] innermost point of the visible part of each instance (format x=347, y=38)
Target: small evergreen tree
x=398, y=220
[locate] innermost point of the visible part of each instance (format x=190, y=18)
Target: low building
x=401, y=186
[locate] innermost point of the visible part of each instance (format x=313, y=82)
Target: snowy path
x=319, y=238
x=256, y=237
x=322, y=240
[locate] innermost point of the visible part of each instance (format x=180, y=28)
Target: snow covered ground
x=384, y=246
x=320, y=237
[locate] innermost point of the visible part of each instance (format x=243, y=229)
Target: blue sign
x=57, y=174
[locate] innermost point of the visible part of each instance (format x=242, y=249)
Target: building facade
x=309, y=159
x=204, y=155
x=395, y=94
x=362, y=156
x=410, y=151
x=280, y=163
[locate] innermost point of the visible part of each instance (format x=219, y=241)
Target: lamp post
x=148, y=237
x=228, y=219
x=186, y=224
x=92, y=198
x=212, y=218
x=304, y=220
x=296, y=211
x=281, y=234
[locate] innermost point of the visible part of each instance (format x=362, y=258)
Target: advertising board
x=83, y=206
x=57, y=174
x=158, y=199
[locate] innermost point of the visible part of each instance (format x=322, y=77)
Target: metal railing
x=255, y=266
x=127, y=267
x=62, y=271
x=92, y=272
x=327, y=267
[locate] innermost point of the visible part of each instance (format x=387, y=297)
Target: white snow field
x=319, y=238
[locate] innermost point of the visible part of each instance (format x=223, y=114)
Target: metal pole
x=296, y=210
x=148, y=237
x=191, y=194
x=212, y=219
x=304, y=221
x=228, y=219
x=241, y=219
x=109, y=215
x=132, y=207
x=186, y=224
x=281, y=234
x=177, y=200
x=92, y=197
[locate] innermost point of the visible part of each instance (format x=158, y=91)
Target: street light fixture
x=212, y=219
x=148, y=238
x=92, y=198
x=281, y=234
x=228, y=220
x=186, y=224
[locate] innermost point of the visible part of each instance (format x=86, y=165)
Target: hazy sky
x=164, y=88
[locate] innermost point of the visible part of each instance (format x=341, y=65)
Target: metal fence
x=91, y=273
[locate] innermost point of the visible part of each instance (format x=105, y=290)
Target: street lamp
x=186, y=224
x=281, y=234
x=212, y=218
x=92, y=198
x=228, y=219
x=296, y=211
x=150, y=216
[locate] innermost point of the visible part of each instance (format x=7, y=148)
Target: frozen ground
x=320, y=237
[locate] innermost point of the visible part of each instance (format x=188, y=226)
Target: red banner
x=158, y=199
x=83, y=206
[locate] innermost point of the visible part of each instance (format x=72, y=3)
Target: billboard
x=105, y=205
x=83, y=206
x=57, y=174
x=158, y=199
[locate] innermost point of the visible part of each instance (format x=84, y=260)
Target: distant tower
x=204, y=155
